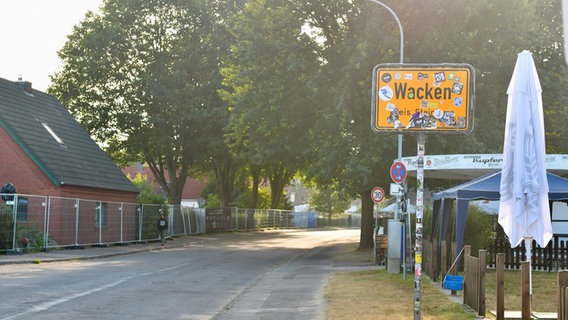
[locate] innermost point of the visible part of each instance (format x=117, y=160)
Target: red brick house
x=45, y=152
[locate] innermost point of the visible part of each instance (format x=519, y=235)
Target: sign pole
x=419, y=216
x=377, y=195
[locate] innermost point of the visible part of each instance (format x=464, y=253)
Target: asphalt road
x=257, y=275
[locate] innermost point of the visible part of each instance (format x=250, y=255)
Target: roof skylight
x=53, y=134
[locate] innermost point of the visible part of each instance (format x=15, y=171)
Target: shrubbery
x=479, y=228
x=6, y=227
x=35, y=237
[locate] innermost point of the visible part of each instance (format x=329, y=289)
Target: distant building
x=297, y=194
x=191, y=196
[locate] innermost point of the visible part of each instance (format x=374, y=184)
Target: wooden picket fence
x=474, y=269
x=563, y=295
x=436, y=265
x=474, y=280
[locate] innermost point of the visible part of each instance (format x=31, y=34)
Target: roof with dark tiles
x=55, y=141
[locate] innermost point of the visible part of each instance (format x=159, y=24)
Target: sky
x=31, y=33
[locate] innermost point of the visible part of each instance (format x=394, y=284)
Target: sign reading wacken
x=424, y=98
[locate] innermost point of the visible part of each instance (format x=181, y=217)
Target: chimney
x=25, y=85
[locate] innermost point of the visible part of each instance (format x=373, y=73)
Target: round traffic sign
x=398, y=172
x=378, y=194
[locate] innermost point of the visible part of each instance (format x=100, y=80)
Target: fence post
x=190, y=211
x=435, y=266
x=237, y=219
x=443, y=259
x=562, y=277
x=77, y=201
x=45, y=205
x=500, y=274
x=525, y=291
x=100, y=214
x=564, y=315
x=140, y=220
x=466, y=252
x=15, y=220
x=482, y=269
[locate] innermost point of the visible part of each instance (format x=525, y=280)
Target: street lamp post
x=417, y=294
x=395, y=243
x=399, y=27
x=401, y=58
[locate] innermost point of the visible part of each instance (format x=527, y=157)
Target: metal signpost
x=398, y=174
x=378, y=195
x=420, y=99
x=394, y=265
x=419, y=226
x=428, y=98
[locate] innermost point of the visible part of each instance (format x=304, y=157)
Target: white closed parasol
x=524, y=211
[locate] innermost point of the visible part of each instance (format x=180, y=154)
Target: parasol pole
x=528, y=247
x=528, y=244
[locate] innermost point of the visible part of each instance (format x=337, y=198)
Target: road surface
x=255, y=275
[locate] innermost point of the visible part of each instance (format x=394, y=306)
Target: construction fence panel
x=63, y=224
x=129, y=222
x=30, y=222
x=22, y=222
x=149, y=214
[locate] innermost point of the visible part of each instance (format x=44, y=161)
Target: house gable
x=54, y=142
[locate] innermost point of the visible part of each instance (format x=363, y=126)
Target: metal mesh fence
x=31, y=222
x=250, y=219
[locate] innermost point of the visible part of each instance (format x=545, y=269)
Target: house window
x=101, y=214
x=22, y=210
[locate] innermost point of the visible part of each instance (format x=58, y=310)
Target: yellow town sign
x=422, y=98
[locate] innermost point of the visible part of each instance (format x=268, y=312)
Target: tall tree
x=358, y=35
x=271, y=91
x=142, y=78
x=328, y=200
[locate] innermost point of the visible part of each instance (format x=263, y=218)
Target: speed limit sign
x=378, y=194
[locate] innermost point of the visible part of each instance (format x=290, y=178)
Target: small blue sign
x=398, y=172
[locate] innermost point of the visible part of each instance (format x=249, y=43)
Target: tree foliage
x=328, y=200
x=142, y=76
x=269, y=89
x=147, y=192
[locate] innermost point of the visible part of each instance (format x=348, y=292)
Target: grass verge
x=377, y=294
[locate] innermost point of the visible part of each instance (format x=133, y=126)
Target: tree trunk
x=255, y=176
x=225, y=173
x=279, y=175
x=367, y=221
x=170, y=178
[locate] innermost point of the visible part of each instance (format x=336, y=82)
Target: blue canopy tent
x=483, y=188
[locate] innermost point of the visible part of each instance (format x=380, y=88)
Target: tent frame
x=485, y=187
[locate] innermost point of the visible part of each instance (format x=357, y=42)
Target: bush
x=479, y=230
x=6, y=227
x=34, y=236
